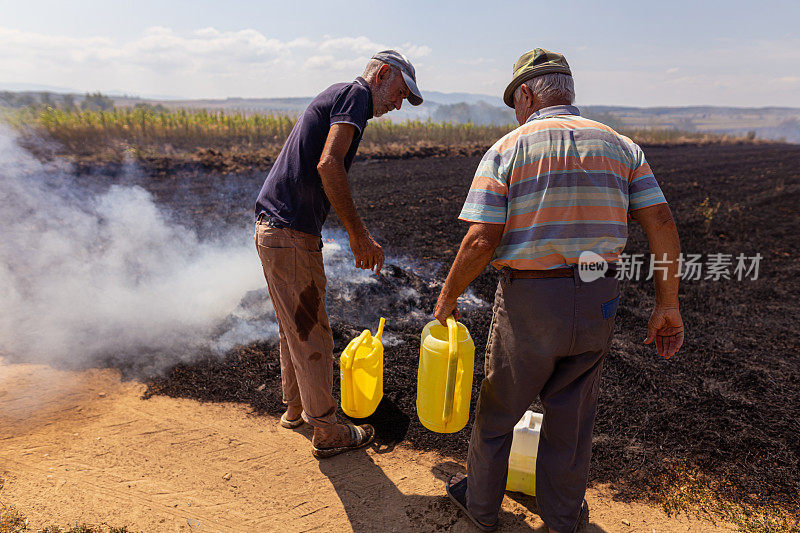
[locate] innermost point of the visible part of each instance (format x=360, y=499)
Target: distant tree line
x=96, y=101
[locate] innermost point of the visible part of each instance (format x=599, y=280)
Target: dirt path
x=84, y=448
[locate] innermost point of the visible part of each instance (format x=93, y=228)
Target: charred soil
x=724, y=409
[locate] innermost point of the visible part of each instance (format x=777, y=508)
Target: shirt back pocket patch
x=610, y=308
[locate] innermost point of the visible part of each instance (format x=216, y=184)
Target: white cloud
x=210, y=62
x=207, y=62
x=319, y=61
x=361, y=45
x=415, y=51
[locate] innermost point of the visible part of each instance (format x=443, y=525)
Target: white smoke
x=107, y=276
x=84, y=276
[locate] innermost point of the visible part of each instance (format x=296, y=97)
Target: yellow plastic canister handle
x=379, y=334
x=347, y=368
x=452, y=364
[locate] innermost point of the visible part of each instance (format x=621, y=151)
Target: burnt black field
x=726, y=407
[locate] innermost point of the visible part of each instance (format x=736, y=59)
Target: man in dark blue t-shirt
x=308, y=177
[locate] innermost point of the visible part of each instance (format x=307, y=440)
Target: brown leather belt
x=552, y=273
x=539, y=274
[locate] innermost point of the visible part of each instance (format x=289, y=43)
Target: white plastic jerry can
x=524, y=448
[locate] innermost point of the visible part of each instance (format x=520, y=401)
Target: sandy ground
x=83, y=447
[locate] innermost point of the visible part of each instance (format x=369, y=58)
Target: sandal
x=291, y=424
x=583, y=518
x=458, y=493
x=360, y=435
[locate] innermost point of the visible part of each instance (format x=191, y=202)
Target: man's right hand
x=666, y=329
x=368, y=253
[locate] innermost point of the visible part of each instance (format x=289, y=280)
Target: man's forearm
x=337, y=188
x=473, y=256
x=666, y=247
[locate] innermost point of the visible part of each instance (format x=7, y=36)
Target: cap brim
x=415, y=98
x=508, y=94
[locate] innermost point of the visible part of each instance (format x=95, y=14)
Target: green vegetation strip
x=151, y=130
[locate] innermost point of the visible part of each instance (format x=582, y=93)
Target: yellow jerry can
x=361, y=374
x=524, y=448
x=444, y=379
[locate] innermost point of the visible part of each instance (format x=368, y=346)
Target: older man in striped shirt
x=555, y=190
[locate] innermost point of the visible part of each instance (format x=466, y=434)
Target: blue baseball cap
x=398, y=60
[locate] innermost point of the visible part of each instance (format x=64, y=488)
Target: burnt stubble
x=726, y=406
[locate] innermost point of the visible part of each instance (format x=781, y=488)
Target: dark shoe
x=583, y=518
x=360, y=436
x=457, y=490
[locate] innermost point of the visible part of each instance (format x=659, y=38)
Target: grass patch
x=11, y=520
x=689, y=492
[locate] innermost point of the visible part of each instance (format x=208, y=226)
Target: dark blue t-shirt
x=292, y=195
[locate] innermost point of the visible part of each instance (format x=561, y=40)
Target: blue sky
x=622, y=53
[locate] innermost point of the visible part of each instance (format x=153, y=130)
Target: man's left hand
x=666, y=329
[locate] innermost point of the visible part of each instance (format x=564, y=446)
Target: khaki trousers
x=548, y=338
x=292, y=262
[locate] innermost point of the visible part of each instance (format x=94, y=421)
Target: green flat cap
x=534, y=63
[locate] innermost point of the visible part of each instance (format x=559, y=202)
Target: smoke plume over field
x=104, y=273
x=85, y=275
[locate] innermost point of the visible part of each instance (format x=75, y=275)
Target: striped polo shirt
x=562, y=184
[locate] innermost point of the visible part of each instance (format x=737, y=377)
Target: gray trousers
x=548, y=338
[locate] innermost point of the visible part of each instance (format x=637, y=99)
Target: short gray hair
x=553, y=87
x=374, y=65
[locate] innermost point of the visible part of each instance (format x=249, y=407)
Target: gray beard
x=381, y=97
